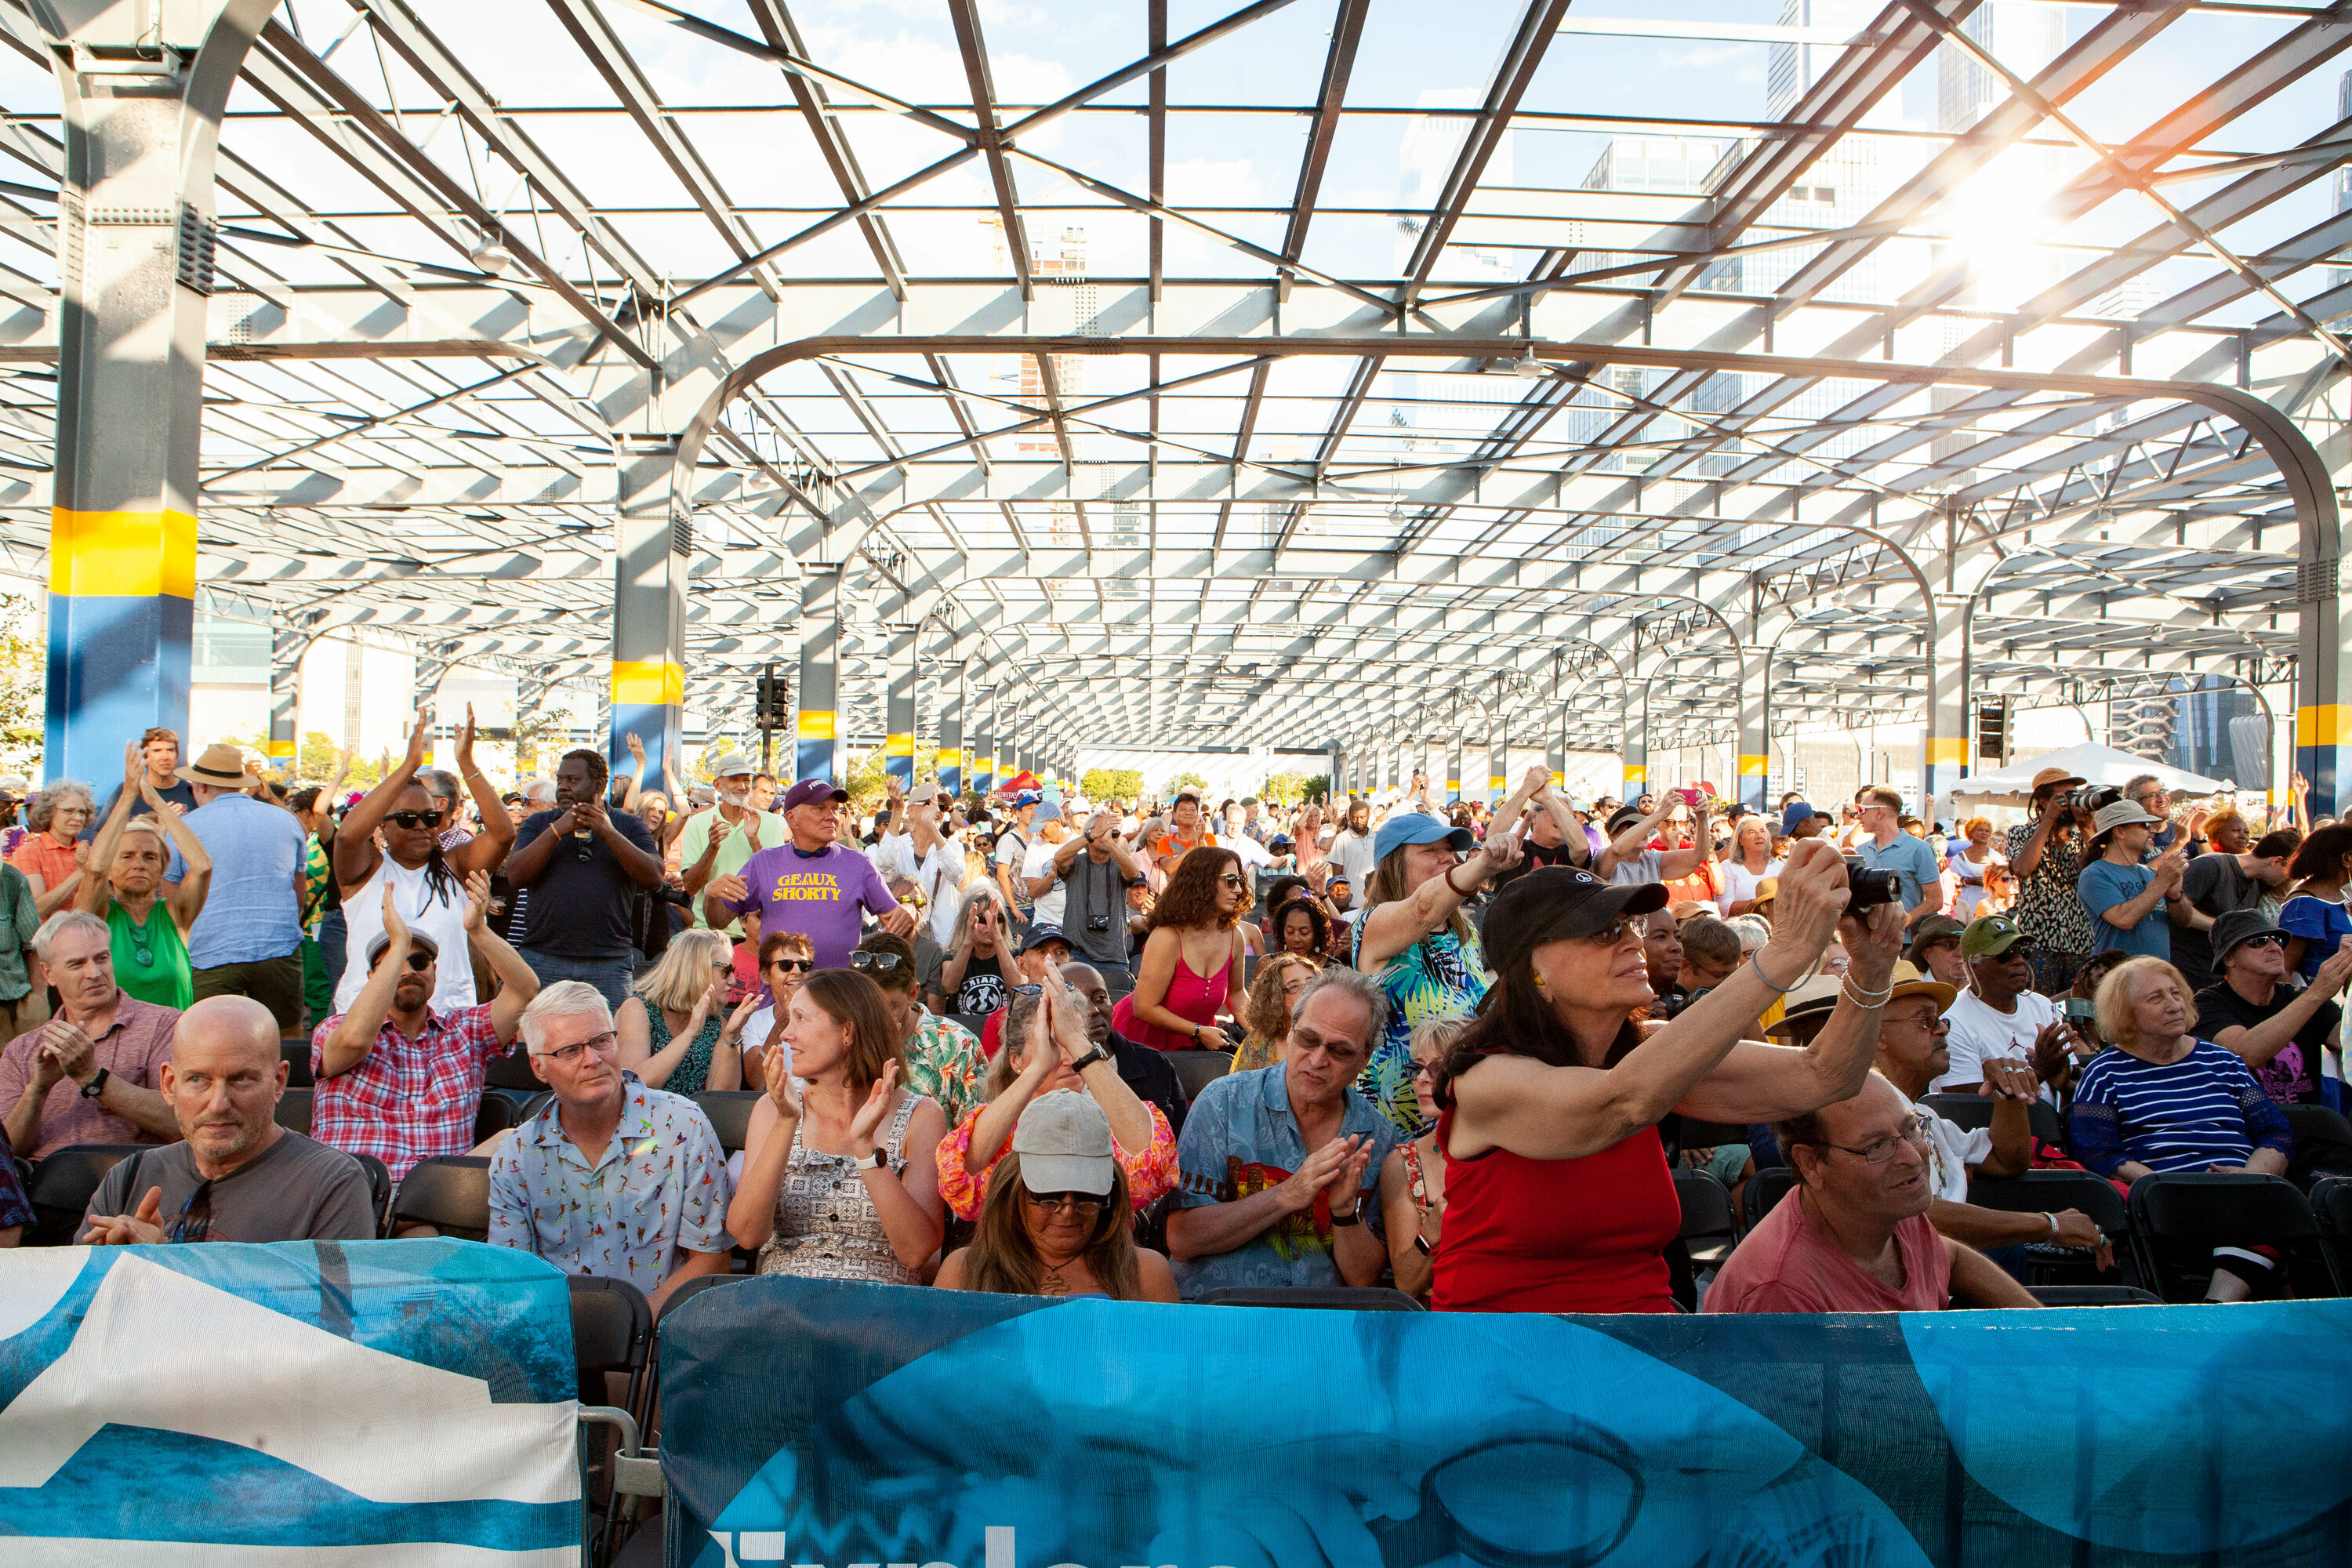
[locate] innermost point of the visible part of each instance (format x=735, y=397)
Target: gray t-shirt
x=1096, y=893
x=2215, y=884
x=295, y=1190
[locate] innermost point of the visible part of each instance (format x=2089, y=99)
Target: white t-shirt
x=938, y=876
x=1050, y=903
x=1739, y=882
x=1253, y=854
x=1352, y=853
x=1950, y=1153
x=1980, y=1034
x=1013, y=848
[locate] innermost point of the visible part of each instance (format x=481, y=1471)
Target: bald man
x=237, y=1175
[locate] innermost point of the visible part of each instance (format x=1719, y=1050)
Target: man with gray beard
x=717, y=842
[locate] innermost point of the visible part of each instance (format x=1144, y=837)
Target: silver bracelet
x=2053, y=1224
x=1862, y=999
x=1859, y=992
x=1775, y=990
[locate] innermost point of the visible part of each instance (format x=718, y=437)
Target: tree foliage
x=24, y=687
x=1112, y=784
x=1295, y=786
x=1181, y=780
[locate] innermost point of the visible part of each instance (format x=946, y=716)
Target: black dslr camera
x=2091, y=798
x=1866, y=889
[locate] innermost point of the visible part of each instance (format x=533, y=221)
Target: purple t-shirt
x=817, y=895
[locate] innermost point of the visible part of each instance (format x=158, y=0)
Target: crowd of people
x=1469, y=1047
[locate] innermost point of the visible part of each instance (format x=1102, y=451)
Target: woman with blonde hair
x=1967, y=868
x=1413, y=1177
x=1748, y=863
x=1266, y=1013
x=977, y=975
x=676, y=1033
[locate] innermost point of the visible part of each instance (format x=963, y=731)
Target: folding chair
x=511, y=1071
x=2177, y=1218
x=1764, y=1191
x=1971, y=1112
x=451, y=1193
x=2047, y=1192
x=729, y=1111
x=63, y=1185
x=2331, y=1206
x=293, y=1112
x=379, y=1180
x=296, y=1055
x=1710, y=1229
x=612, y=1329
x=1196, y=1070
x=494, y=1115
x=1323, y=1298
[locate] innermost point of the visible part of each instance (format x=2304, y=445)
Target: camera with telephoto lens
x=2090, y=798
x=1866, y=889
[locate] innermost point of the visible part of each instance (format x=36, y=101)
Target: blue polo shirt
x=251, y=911
x=1240, y=1138
x=1913, y=863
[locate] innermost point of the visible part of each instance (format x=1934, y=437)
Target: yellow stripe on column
x=1751, y=766
x=897, y=746
x=123, y=554
x=816, y=724
x=1947, y=750
x=2319, y=726
x=949, y=757
x=1637, y=773
x=648, y=682
x=281, y=751
x=1494, y=783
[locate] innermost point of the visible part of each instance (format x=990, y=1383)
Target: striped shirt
x=2203, y=1111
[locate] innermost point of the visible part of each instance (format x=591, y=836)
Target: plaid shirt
x=407, y=1098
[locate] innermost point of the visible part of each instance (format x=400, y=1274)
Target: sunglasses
x=1087, y=1206
x=415, y=818
x=1230, y=881
x=885, y=961
x=418, y=960
x=2270, y=940
x=804, y=965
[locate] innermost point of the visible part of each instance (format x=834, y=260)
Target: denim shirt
x=1240, y=1138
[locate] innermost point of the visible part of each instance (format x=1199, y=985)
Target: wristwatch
x=96, y=1084
x=878, y=1161
x=1098, y=1055
x=1354, y=1217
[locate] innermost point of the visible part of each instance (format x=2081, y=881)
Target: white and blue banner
x=392, y=1404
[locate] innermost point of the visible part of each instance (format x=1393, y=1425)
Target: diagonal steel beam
x=974, y=50
x=832, y=141
x=1339, y=63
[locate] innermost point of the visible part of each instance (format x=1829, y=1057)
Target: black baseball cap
x=1554, y=903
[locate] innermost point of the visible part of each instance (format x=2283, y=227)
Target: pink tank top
x=1190, y=995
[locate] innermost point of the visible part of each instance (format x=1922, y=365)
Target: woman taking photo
x=1192, y=963
x=1749, y=862
x=1969, y=863
x=1414, y=937
x=1046, y=1050
x=1058, y=1224
x=840, y=1182
x=787, y=958
x=1412, y=1178
x=1557, y=1194
x=1266, y=1014
x=149, y=918
x=677, y=1033
x=979, y=972
x=2159, y=1099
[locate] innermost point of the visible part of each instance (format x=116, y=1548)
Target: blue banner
x=380, y=1403
x=856, y=1426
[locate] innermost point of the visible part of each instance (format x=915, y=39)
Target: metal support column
x=433, y=660
x=951, y=737
x=650, y=557
x=142, y=89
x=1633, y=747
x=287, y=644
x=983, y=755
x=1945, y=745
x=817, y=754
x=1498, y=749
x=899, y=708
x=1753, y=760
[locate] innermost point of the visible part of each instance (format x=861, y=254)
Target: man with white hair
x=90, y=1074
x=612, y=1178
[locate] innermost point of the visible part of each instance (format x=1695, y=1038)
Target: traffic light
x=1992, y=731
x=774, y=703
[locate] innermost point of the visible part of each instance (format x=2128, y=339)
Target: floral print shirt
x=1150, y=1174
x=2048, y=911
x=944, y=1062
x=657, y=1192
x=1440, y=976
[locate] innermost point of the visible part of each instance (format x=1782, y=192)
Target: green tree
x=868, y=783
x=24, y=687
x=1295, y=786
x=1181, y=780
x=1112, y=784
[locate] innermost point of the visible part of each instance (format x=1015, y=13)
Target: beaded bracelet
x=1864, y=1000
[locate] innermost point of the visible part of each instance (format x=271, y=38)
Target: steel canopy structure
x=639, y=346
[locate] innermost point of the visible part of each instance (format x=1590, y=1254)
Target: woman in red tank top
x=1192, y=960
x=1557, y=1194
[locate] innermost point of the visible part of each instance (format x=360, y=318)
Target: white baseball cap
x=1064, y=1142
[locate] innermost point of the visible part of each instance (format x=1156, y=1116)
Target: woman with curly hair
x=1192, y=952
x=1297, y=926
x=1281, y=976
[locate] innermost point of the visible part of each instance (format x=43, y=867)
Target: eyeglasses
x=415, y=818
x=804, y=964
x=2270, y=940
x=567, y=1055
x=1880, y=1151
x=1421, y=1070
x=884, y=961
x=1085, y=1205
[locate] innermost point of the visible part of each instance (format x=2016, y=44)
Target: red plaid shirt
x=408, y=1098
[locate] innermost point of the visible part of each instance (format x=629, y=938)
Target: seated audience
x=235, y=1175
x=1058, y=1225
x=673, y=1033
x=1413, y=1176
x=787, y=958
x=979, y=972
x=2159, y=1099
x=398, y=1078
x=1048, y=1049
x=91, y=1074
x=611, y=1178
x=942, y=1059
x=2257, y=1012
x=1265, y=1013
x=1145, y=1071
x=1854, y=1235
x=1278, y=1170
x=840, y=1166
x=125, y=888
x=1935, y=950
x=1039, y=950
x=1998, y=1015
x=1559, y=1197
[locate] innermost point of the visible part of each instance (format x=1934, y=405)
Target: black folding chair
x=379, y=1180
x=1764, y=1191
x=494, y=1115
x=1710, y=1229
x=612, y=1329
x=512, y=1071
x=451, y=1193
x=2331, y=1206
x=63, y=1185
x=2048, y=1191
x=296, y=1055
x=2093, y=1296
x=1970, y=1112
x=293, y=1112
x=971, y=1022
x=649, y=1399
x=2179, y=1217
x=1196, y=1070
x=1324, y=1298
x=729, y=1111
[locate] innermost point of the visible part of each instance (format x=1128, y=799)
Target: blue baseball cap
x=1419, y=827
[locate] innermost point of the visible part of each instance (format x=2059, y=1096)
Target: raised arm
x=2259, y=1044
x=1627, y=846
x=355, y=854
x=1393, y=927
x=349, y=1043
x=185, y=897
x=636, y=775
x=516, y=982
x=487, y=850
x=92, y=891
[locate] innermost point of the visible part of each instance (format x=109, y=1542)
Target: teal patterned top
x=692, y=1074
x=1440, y=976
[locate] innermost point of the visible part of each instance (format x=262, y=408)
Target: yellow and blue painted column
x=1753, y=761
x=816, y=749
x=898, y=709
x=951, y=749
x=651, y=556
x=1633, y=743
x=121, y=626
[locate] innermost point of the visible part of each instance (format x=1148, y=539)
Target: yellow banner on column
x=648, y=683
x=2319, y=726
x=123, y=554
x=949, y=757
x=816, y=724
x=1948, y=750
x=897, y=746
x=1637, y=773
x=1751, y=766
x=281, y=751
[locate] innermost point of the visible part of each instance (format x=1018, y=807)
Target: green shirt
x=733, y=852
x=150, y=962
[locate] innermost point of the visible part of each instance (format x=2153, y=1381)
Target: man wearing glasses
x=398, y=1077
x=612, y=1178
x=811, y=883
x=1854, y=1236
